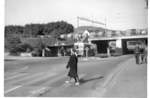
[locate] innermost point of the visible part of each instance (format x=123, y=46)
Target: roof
x=119, y=37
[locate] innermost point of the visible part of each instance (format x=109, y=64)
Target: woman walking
x=73, y=68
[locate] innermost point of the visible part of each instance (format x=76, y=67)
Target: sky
x=118, y=14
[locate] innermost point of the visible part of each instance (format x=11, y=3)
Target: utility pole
x=105, y=23
x=89, y=20
x=77, y=21
x=146, y=1
x=92, y=21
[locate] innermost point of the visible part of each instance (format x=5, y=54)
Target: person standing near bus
x=145, y=54
x=142, y=47
x=137, y=53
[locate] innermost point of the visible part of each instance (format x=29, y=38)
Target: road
x=45, y=77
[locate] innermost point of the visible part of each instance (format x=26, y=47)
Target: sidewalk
x=8, y=57
x=130, y=82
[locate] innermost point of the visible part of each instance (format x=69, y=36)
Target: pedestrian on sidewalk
x=73, y=68
x=137, y=53
x=145, y=54
x=142, y=47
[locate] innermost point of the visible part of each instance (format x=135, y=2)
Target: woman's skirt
x=72, y=73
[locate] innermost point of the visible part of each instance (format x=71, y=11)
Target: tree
x=11, y=44
x=57, y=28
x=13, y=41
x=33, y=30
x=62, y=28
x=14, y=30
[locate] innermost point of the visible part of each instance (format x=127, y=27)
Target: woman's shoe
x=67, y=81
x=77, y=83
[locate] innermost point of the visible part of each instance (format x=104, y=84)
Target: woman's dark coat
x=72, y=64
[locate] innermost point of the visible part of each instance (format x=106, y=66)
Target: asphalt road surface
x=45, y=77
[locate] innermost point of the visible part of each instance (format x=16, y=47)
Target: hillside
x=90, y=29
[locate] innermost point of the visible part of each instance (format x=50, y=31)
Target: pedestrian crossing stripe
x=16, y=76
x=65, y=85
x=27, y=83
x=12, y=89
x=38, y=92
x=47, y=75
x=16, y=72
x=43, y=89
x=26, y=78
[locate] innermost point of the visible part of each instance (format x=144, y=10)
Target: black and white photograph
x=75, y=48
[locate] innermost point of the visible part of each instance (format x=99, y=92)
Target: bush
x=12, y=42
x=37, y=52
x=25, y=47
x=104, y=55
x=16, y=50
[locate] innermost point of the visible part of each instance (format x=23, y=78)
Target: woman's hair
x=74, y=50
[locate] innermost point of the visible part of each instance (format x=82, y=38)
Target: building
x=119, y=45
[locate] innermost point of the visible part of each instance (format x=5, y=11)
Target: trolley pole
x=77, y=21
x=105, y=23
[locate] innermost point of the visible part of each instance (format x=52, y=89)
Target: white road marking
x=30, y=77
x=26, y=67
x=43, y=90
x=48, y=75
x=39, y=91
x=67, y=85
x=16, y=76
x=34, y=93
x=54, y=80
x=81, y=76
x=12, y=89
x=21, y=69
